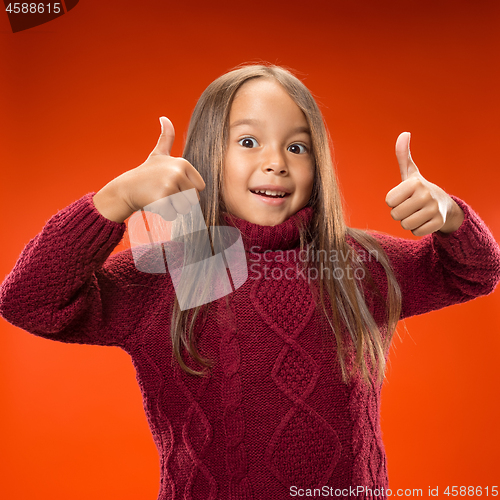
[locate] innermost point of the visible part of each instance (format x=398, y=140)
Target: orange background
x=80, y=101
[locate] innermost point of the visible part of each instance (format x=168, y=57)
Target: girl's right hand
x=155, y=181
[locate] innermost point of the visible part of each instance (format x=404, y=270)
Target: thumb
x=166, y=139
x=406, y=165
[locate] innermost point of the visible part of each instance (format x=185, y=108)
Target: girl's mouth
x=271, y=199
x=270, y=194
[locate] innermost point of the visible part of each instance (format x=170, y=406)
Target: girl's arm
x=63, y=286
x=442, y=269
x=457, y=258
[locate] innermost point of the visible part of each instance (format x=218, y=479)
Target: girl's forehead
x=263, y=96
x=257, y=86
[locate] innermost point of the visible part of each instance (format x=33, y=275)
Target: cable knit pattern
x=273, y=414
x=370, y=468
x=240, y=486
x=287, y=308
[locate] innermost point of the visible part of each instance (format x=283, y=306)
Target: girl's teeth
x=272, y=193
x=267, y=192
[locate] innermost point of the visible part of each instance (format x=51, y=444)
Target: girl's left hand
x=422, y=207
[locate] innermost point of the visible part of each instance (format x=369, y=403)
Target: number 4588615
x=471, y=491
x=34, y=8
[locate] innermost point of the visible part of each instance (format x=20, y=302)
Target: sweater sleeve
x=441, y=269
x=64, y=287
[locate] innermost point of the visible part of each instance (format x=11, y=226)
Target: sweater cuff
x=81, y=224
x=470, y=239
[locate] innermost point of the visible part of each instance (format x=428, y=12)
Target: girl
x=273, y=390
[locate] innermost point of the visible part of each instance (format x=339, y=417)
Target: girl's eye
x=248, y=142
x=297, y=149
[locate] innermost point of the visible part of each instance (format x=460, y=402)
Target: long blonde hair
x=205, y=149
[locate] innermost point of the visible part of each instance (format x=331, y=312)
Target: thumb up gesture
x=422, y=207
x=170, y=183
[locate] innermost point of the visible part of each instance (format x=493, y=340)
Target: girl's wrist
x=110, y=205
x=454, y=220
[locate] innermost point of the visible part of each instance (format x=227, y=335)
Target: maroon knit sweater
x=274, y=415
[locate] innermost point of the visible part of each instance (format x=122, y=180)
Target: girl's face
x=269, y=149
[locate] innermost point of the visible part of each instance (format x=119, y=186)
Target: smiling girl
x=274, y=389
x=269, y=148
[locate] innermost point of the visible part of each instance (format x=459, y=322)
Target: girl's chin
x=266, y=219
x=259, y=211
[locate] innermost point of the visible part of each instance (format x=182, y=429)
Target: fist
x=166, y=185
x=422, y=207
x=162, y=184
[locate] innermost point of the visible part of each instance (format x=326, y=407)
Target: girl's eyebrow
x=245, y=121
x=253, y=121
x=302, y=130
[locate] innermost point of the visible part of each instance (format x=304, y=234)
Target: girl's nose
x=275, y=162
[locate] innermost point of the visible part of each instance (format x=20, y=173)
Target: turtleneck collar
x=284, y=236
